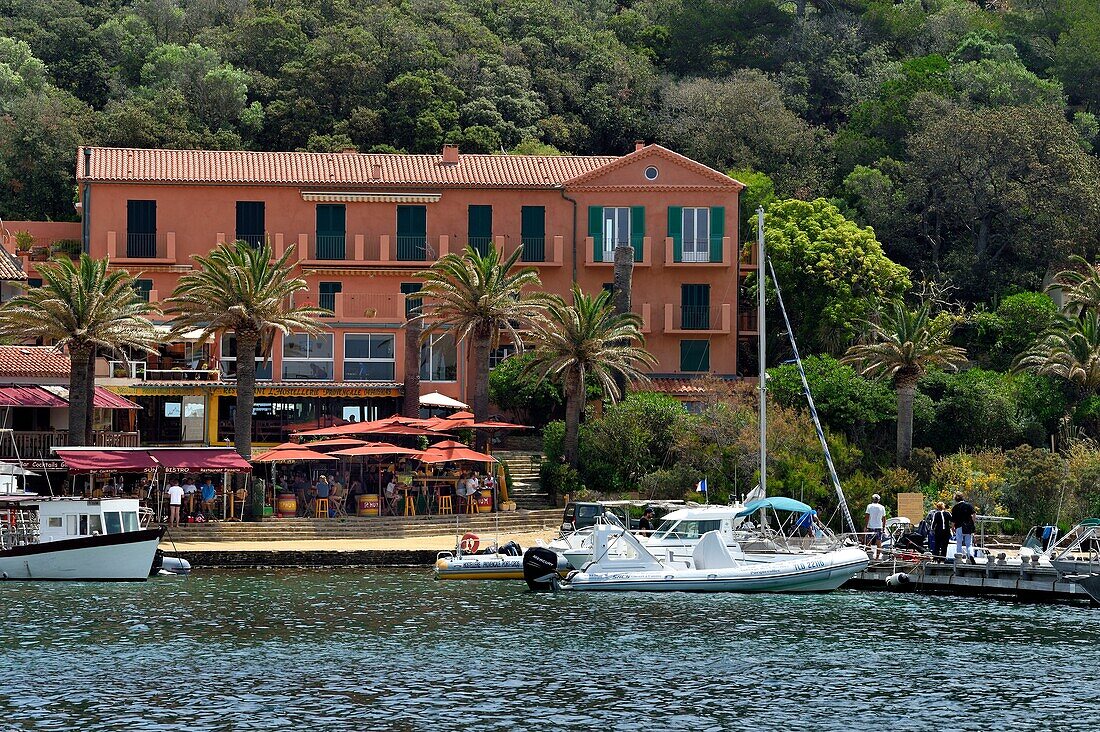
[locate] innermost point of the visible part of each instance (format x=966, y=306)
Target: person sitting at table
x=209, y=493
x=189, y=492
x=323, y=489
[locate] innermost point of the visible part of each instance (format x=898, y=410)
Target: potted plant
x=71, y=248
x=40, y=254
x=23, y=242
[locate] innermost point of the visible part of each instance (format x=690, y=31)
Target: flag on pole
x=701, y=486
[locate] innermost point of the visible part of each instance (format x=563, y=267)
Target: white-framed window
x=368, y=356
x=696, y=235
x=439, y=358
x=229, y=360
x=616, y=230
x=307, y=357
x=498, y=355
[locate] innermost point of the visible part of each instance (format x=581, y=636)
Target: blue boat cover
x=776, y=503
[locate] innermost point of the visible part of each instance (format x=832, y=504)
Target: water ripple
x=394, y=650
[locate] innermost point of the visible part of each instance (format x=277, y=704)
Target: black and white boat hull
x=124, y=556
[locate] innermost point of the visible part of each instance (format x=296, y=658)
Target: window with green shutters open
x=331, y=231
x=610, y=227
x=696, y=233
x=694, y=356
x=480, y=228
x=412, y=305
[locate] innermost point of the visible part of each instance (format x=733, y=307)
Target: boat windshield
x=689, y=529
x=118, y=523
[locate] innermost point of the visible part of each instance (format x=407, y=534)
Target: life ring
x=470, y=542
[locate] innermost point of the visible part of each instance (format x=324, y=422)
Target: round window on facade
x=651, y=173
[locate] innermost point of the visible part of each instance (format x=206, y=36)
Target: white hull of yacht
x=820, y=573
x=110, y=557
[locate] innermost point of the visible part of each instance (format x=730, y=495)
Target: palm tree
x=1079, y=285
x=481, y=298
x=244, y=289
x=902, y=347
x=85, y=308
x=587, y=338
x=1069, y=350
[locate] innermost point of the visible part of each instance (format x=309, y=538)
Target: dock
x=997, y=578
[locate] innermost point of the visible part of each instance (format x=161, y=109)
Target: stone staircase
x=525, y=488
x=395, y=527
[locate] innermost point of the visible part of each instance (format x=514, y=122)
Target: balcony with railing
x=746, y=320
x=748, y=256
x=38, y=445
x=141, y=371
x=139, y=247
x=599, y=252
x=698, y=319
x=357, y=306
x=699, y=251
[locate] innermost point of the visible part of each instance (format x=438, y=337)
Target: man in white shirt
x=876, y=522
x=175, y=498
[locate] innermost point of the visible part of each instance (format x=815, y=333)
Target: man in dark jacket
x=962, y=516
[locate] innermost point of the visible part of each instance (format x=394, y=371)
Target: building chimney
x=349, y=150
x=376, y=171
x=638, y=145
x=450, y=154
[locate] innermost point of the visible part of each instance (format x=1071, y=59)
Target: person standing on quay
x=175, y=498
x=939, y=528
x=876, y=523
x=962, y=516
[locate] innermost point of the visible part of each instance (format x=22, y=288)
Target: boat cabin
x=59, y=519
x=689, y=524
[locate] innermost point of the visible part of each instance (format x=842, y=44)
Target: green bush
x=533, y=401
x=557, y=479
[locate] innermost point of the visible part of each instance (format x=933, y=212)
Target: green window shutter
x=533, y=233
x=412, y=307
x=695, y=307
x=694, y=356
x=595, y=229
x=480, y=227
x=717, y=231
x=637, y=230
x=676, y=231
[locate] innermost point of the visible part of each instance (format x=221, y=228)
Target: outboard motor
x=511, y=549
x=540, y=568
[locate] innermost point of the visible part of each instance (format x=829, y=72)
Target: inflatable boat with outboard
x=471, y=562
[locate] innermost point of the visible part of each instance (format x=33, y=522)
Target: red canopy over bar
x=80, y=460
x=200, y=460
x=29, y=396
x=106, y=399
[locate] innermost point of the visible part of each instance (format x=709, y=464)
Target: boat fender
x=470, y=542
x=175, y=565
x=898, y=579
x=540, y=568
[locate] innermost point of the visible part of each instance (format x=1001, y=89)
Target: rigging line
x=810, y=403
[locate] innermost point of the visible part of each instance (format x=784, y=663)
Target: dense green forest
x=962, y=131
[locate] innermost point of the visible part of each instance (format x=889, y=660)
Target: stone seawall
x=319, y=559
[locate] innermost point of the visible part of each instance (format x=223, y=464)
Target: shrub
x=533, y=401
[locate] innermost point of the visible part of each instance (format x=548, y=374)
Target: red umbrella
x=290, y=456
x=401, y=429
x=375, y=449
x=459, y=416
x=463, y=454
x=335, y=443
x=447, y=445
x=493, y=425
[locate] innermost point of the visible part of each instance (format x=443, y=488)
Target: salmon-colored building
x=363, y=226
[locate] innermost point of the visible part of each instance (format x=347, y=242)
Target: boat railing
x=22, y=531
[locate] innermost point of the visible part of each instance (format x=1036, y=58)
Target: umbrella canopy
x=494, y=425
x=286, y=446
x=374, y=449
x=460, y=415
x=335, y=443
x=367, y=428
x=290, y=456
x=448, y=445
x=435, y=399
x=402, y=429
x=461, y=453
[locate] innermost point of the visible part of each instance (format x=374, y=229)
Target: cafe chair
x=339, y=501
x=320, y=508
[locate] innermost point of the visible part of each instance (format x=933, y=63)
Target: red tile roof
x=10, y=267
x=33, y=361
x=328, y=169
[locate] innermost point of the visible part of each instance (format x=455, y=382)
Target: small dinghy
x=624, y=563
x=468, y=562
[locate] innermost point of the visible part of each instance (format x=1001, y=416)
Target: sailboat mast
x=763, y=377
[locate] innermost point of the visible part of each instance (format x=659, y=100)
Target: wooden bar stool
x=471, y=504
x=410, y=504
x=445, y=505
x=320, y=508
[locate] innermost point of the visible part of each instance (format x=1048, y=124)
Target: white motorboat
x=622, y=562
x=45, y=538
x=505, y=562
x=680, y=531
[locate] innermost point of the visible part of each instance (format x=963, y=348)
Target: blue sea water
x=396, y=650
